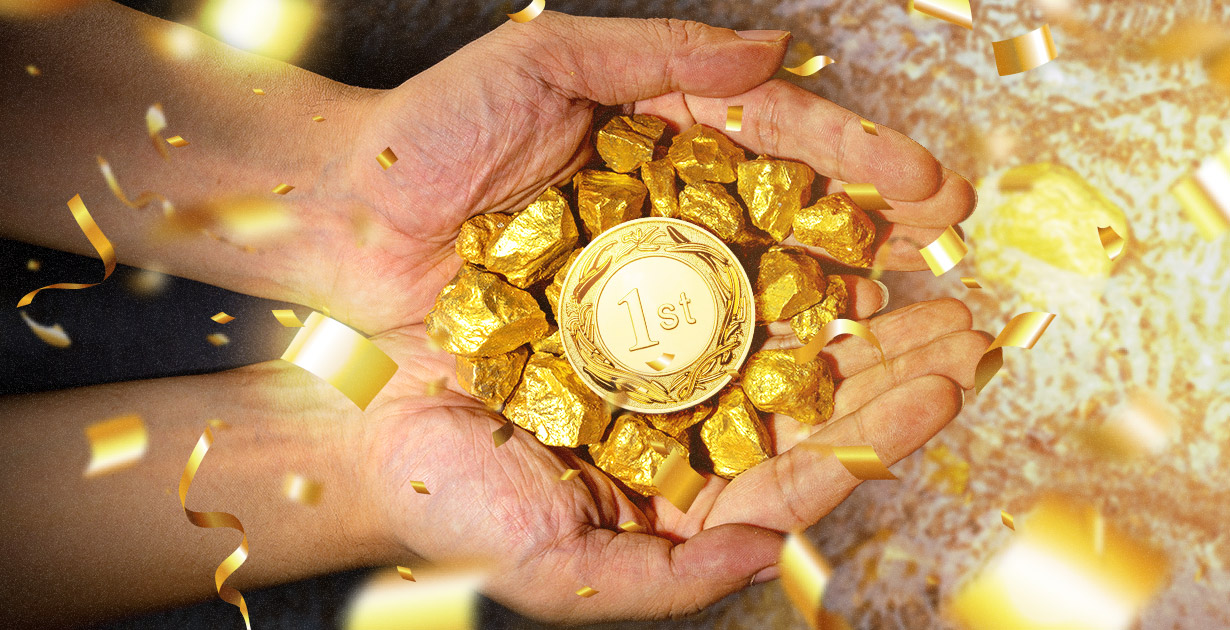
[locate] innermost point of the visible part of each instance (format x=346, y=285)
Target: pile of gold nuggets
x=494, y=314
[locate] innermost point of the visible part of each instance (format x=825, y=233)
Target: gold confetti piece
x=502, y=434
x=866, y=196
x=632, y=526
x=33, y=265
x=177, y=141
x=586, y=591
x=734, y=118
x=302, y=490
x=831, y=331
x=662, y=362
x=103, y=246
x=342, y=357
x=258, y=91
x=218, y=424
x=862, y=462
x=287, y=318
x=970, y=282
x=33, y=70
x=528, y=13
x=1111, y=242
x=805, y=575
x=436, y=600
x=217, y=339
x=51, y=335
x=386, y=158
x=1007, y=519
x=318, y=118
x=115, y=444
x=944, y=252
x=419, y=487
x=869, y=126
x=433, y=388
x=677, y=482
x=155, y=122
x=141, y=201
x=1144, y=427
x=1205, y=196
x=213, y=520
x=953, y=11
x=405, y=573
x=1022, y=331
x=811, y=66
x=222, y=318
x=282, y=189
x=569, y=474
x=1024, y=52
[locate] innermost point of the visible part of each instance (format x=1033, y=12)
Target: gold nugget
x=605, y=200
x=626, y=142
x=790, y=282
x=492, y=379
x=676, y=424
x=628, y=456
x=480, y=315
x=479, y=232
x=774, y=191
x=807, y=324
x=840, y=227
x=711, y=207
x=534, y=244
x=550, y=344
x=703, y=154
x=735, y=436
x=776, y=384
x=557, y=283
x=659, y=178
x=553, y=403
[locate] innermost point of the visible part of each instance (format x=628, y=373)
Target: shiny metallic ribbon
x=678, y=482
x=804, y=576
x=833, y=330
x=734, y=118
x=811, y=66
x=1024, y=52
x=944, y=252
x=1205, y=196
x=866, y=196
x=97, y=239
x=386, y=158
x=1111, y=242
x=952, y=11
x=1023, y=331
x=528, y=13
x=869, y=126
x=342, y=357
x=116, y=444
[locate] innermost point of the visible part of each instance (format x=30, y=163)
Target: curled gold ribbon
x=116, y=444
x=342, y=357
x=1205, y=196
x=678, y=482
x=386, y=158
x=944, y=252
x=869, y=126
x=805, y=576
x=866, y=196
x=214, y=520
x=952, y=11
x=528, y=13
x=502, y=434
x=287, y=318
x=1111, y=242
x=1007, y=520
x=1024, y=52
x=1022, y=331
x=811, y=66
x=142, y=200
x=103, y=246
x=734, y=118
x=831, y=331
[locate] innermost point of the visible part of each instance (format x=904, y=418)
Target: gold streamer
x=662, y=362
x=586, y=591
x=53, y=336
x=952, y=11
x=1024, y=52
x=1205, y=196
x=419, y=487
x=155, y=122
x=805, y=576
x=103, y=246
x=970, y=282
x=386, y=158
x=734, y=118
x=1007, y=519
x=831, y=331
x=866, y=196
x=287, y=318
x=177, y=141
x=218, y=339
x=811, y=66
x=342, y=357
x=33, y=70
x=1022, y=331
x=405, y=573
x=869, y=126
x=632, y=526
x=302, y=490
x=502, y=434
x=115, y=444
x=862, y=462
x=222, y=318
x=944, y=252
x=1111, y=242
x=141, y=201
x=258, y=91
x=569, y=474
x=214, y=520
x=528, y=13
x=677, y=482
x=282, y=189
x=318, y=118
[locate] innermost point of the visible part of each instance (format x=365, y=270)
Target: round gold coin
x=656, y=315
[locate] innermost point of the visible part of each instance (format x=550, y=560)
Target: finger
x=899, y=332
x=616, y=60
x=798, y=487
x=953, y=203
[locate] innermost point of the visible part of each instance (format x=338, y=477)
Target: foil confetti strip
x=258, y=91
x=318, y=118
x=301, y=490
x=1111, y=242
x=869, y=126
x=282, y=189
x=1022, y=331
x=214, y=520
x=405, y=573
x=632, y=526
x=217, y=339
x=115, y=444
x=141, y=201
x=1205, y=196
x=811, y=66
x=530, y=12
x=177, y=141
x=435, y=600
x=952, y=11
x=386, y=158
x=804, y=576
x=222, y=318
x=1024, y=52
x=970, y=282
x=662, y=362
x=678, y=482
x=287, y=318
x=831, y=331
x=569, y=474
x=866, y=197
x=53, y=336
x=419, y=487
x=503, y=434
x=863, y=462
x=155, y=122
x=33, y=265
x=586, y=591
x=342, y=357
x=33, y=70
x=734, y=118
x=1007, y=520
x=103, y=246
x=944, y=252
x=1145, y=427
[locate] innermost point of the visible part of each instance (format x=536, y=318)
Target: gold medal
x=656, y=315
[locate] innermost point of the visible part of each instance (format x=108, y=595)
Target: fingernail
x=884, y=297
x=766, y=574
x=764, y=36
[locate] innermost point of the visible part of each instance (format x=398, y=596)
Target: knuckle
x=774, y=103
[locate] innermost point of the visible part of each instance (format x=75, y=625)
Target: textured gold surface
x=709, y=205
x=550, y=344
x=659, y=178
x=626, y=142
x=790, y=282
x=479, y=315
x=557, y=282
x=477, y=233
x=627, y=455
x=774, y=191
x=676, y=424
x=703, y=154
x=735, y=435
x=807, y=324
x=605, y=200
x=776, y=384
x=840, y=227
x=492, y=379
x=533, y=245
x=553, y=403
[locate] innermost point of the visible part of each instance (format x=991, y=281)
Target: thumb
x=613, y=61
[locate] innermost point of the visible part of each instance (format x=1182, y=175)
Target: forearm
x=86, y=548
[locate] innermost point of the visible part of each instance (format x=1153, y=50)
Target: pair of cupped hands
x=487, y=130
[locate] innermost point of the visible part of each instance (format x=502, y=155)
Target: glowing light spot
x=274, y=28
